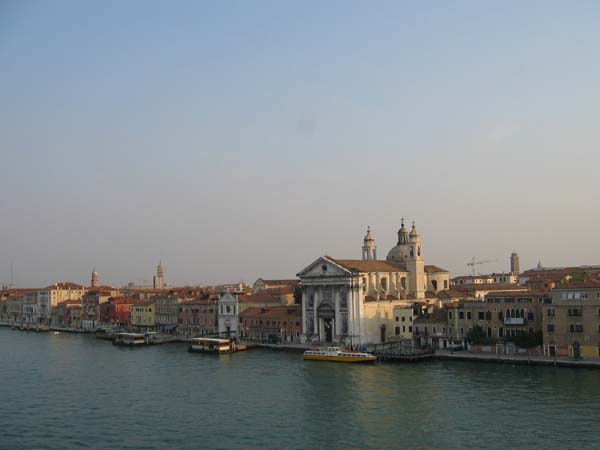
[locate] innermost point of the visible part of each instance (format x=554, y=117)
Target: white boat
x=212, y=345
x=338, y=355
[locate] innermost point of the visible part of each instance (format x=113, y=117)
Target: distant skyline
x=237, y=140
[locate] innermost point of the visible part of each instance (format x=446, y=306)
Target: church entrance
x=328, y=326
x=326, y=323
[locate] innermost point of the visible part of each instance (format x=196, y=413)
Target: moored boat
x=129, y=339
x=337, y=354
x=212, y=345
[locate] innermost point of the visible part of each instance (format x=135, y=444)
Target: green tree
x=528, y=340
x=477, y=336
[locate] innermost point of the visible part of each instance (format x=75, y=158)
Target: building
x=278, y=324
x=167, y=313
x=263, y=285
x=143, y=315
x=404, y=317
x=122, y=311
x=228, y=310
x=67, y=314
x=159, y=279
x=352, y=302
x=502, y=315
x=561, y=274
x=431, y=329
x=572, y=321
x=480, y=290
x=198, y=317
x=51, y=296
x=31, y=314
x=90, y=306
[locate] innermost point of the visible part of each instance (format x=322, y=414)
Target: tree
x=477, y=336
x=528, y=340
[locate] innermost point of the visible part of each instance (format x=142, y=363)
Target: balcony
x=514, y=321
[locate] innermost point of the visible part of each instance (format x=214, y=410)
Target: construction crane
x=474, y=263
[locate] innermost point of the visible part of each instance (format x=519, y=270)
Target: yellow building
x=143, y=315
x=572, y=322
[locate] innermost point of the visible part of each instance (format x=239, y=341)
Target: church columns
x=337, y=298
x=304, y=309
x=317, y=293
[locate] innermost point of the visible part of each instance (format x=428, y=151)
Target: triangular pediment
x=322, y=268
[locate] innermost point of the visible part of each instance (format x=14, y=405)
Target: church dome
x=395, y=253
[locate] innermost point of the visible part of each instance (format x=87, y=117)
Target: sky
x=234, y=140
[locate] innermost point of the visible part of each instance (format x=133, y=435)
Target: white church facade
x=351, y=302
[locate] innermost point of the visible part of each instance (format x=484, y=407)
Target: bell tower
x=95, y=278
x=369, y=250
x=159, y=278
x=415, y=264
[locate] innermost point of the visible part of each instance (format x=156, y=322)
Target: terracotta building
x=272, y=324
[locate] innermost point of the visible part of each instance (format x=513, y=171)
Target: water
x=75, y=392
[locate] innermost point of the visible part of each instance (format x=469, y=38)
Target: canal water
x=75, y=392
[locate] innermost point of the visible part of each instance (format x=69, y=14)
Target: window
x=550, y=327
x=384, y=284
x=488, y=316
x=550, y=312
x=397, y=331
x=398, y=319
x=462, y=331
x=409, y=329
x=576, y=328
x=461, y=315
x=449, y=314
x=500, y=332
x=530, y=315
x=468, y=315
x=403, y=318
x=434, y=284
x=446, y=286
x=404, y=328
x=481, y=315
x=500, y=315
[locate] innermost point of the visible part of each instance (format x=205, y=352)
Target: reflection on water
x=71, y=391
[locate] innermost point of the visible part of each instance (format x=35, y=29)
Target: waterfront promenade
x=461, y=355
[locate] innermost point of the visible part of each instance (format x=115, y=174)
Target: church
x=352, y=301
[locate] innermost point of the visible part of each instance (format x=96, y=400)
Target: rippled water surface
x=71, y=391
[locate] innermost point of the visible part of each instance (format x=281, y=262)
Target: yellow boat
x=338, y=355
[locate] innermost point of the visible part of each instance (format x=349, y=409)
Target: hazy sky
x=241, y=139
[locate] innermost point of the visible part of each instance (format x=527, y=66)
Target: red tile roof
x=590, y=284
x=64, y=285
x=434, y=269
x=360, y=265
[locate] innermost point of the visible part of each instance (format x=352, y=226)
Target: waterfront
x=73, y=391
